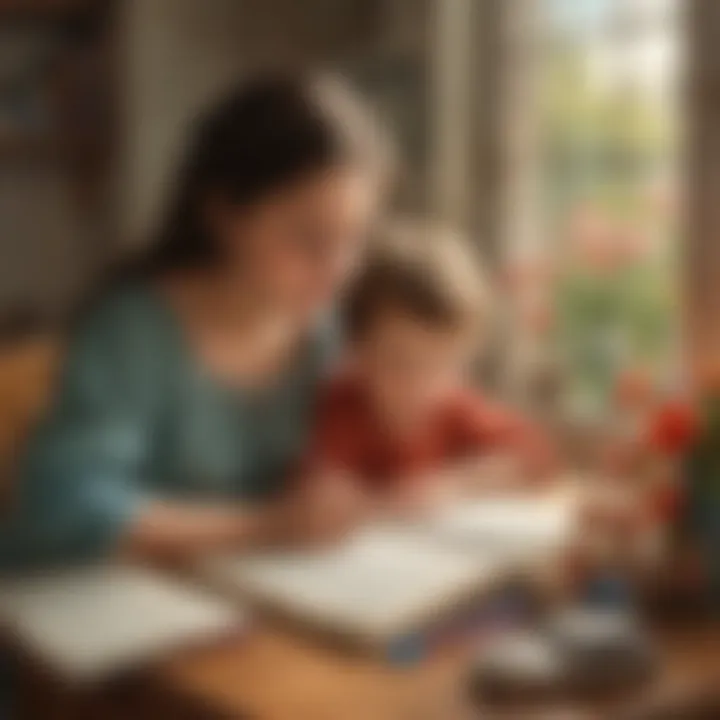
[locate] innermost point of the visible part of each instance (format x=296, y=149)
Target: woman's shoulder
x=126, y=308
x=120, y=350
x=126, y=325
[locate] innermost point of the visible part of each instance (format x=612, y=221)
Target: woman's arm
x=323, y=509
x=171, y=530
x=82, y=493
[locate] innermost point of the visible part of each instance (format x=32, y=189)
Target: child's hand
x=501, y=472
x=418, y=496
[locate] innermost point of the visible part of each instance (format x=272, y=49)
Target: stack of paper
x=92, y=622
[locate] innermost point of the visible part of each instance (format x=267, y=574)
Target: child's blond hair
x=424, y=271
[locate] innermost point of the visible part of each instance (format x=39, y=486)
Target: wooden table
x=271, y=675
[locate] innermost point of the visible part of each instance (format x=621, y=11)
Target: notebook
x=86, y=624
x=380, y=583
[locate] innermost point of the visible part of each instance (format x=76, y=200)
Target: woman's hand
x=322, y=510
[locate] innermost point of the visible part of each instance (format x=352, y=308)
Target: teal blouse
x=136, y=417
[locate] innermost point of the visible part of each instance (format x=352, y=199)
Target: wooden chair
x=26, y=372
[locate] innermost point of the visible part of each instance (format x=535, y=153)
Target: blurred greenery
x=606, y=147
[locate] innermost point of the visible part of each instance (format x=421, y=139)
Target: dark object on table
x=580, y=653
x=522, y=667
x=609, y=591
x=698, y=526
x=602, y=650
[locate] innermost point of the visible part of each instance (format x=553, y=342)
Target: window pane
x=608, y=140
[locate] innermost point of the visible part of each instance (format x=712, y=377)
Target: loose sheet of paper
x=88, y=623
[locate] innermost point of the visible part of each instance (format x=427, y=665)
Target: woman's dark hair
x=263, y=135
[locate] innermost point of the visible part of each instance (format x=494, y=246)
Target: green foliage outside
x=606, y=156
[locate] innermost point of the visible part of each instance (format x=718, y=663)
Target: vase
x=700, y=522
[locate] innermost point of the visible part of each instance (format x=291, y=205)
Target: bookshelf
x=58, y=135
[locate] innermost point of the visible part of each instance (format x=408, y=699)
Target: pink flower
x=634, y=389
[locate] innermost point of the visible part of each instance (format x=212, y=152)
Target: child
x=402, y=418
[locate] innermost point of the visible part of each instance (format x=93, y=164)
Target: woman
x=189, y=385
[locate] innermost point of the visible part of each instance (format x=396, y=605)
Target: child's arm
x=499, y=449
x=488, y=450
x=330, y=463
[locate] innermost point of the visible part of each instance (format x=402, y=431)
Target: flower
x=634, y=389
x=603, y=243
x=673, y=428
x=631, y=246
x=526, y=273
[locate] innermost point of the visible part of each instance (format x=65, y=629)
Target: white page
x=513, y=527
x=371, y=584
x=90, y=622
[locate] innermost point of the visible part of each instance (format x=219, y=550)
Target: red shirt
x=350, y=436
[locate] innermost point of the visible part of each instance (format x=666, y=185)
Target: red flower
x=674, y=428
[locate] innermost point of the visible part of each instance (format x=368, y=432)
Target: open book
x=381, y=582
x=88, y=623
x=388, y=580
x=384, y=582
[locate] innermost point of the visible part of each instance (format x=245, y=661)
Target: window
x=592, y=260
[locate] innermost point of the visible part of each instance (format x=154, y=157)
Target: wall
x=42, y=240
x=702, y=252
x=175, y=54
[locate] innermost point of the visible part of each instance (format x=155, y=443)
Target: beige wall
x=175, y=54
x=702, y=277
x=43, y=241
